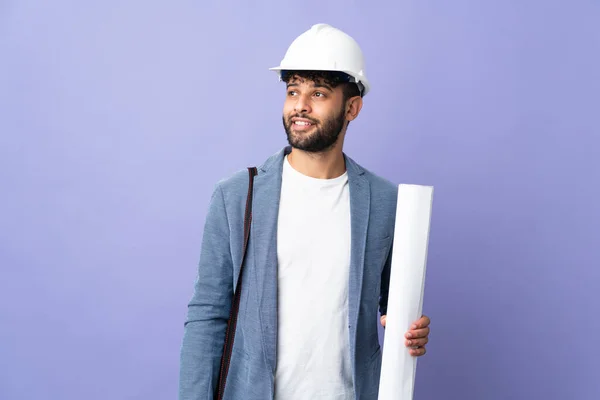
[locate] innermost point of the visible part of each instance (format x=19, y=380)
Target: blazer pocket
x=376, y=254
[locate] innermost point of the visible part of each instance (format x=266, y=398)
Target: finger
x=383, y=319
x=417, y=333
x=418, y=352
x=422, y=322
x=417, y=342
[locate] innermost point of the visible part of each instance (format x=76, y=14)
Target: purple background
x=117, y=118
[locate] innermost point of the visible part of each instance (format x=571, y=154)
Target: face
x=314, y=115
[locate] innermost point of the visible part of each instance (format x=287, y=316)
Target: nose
x=302, y=105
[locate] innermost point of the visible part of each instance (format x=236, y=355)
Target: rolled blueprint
x=407, y=285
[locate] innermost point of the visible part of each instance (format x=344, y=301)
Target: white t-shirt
x=313, y=249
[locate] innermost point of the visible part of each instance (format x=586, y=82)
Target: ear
x=353, y=107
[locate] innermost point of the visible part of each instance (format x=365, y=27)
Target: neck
x=327, y=165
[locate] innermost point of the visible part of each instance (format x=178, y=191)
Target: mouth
x=302, y=124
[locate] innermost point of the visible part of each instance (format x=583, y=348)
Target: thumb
x=383, y=320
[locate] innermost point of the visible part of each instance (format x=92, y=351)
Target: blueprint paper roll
x=407, y=285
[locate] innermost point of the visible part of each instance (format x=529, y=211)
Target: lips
x=301, y=124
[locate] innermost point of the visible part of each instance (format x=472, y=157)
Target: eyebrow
x=315, y=85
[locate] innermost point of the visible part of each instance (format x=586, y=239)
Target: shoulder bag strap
x=231, y=323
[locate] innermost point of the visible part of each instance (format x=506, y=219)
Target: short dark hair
x=331, y=78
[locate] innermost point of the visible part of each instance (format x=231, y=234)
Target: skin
x=323, y=106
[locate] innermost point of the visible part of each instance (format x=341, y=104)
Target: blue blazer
x=252, y=368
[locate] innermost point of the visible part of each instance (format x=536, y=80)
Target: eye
x=291, y=92
x=319, y=94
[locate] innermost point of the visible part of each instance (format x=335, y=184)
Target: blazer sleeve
x=208, y=310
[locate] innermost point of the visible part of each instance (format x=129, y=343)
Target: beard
x=323, y=136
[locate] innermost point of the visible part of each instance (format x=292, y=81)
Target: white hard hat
x=325, y=48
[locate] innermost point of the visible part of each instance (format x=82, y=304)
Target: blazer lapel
x=359, y=209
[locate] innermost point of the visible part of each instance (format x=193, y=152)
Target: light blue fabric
x=251, y=373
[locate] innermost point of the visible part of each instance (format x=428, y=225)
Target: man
x=319, y=255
